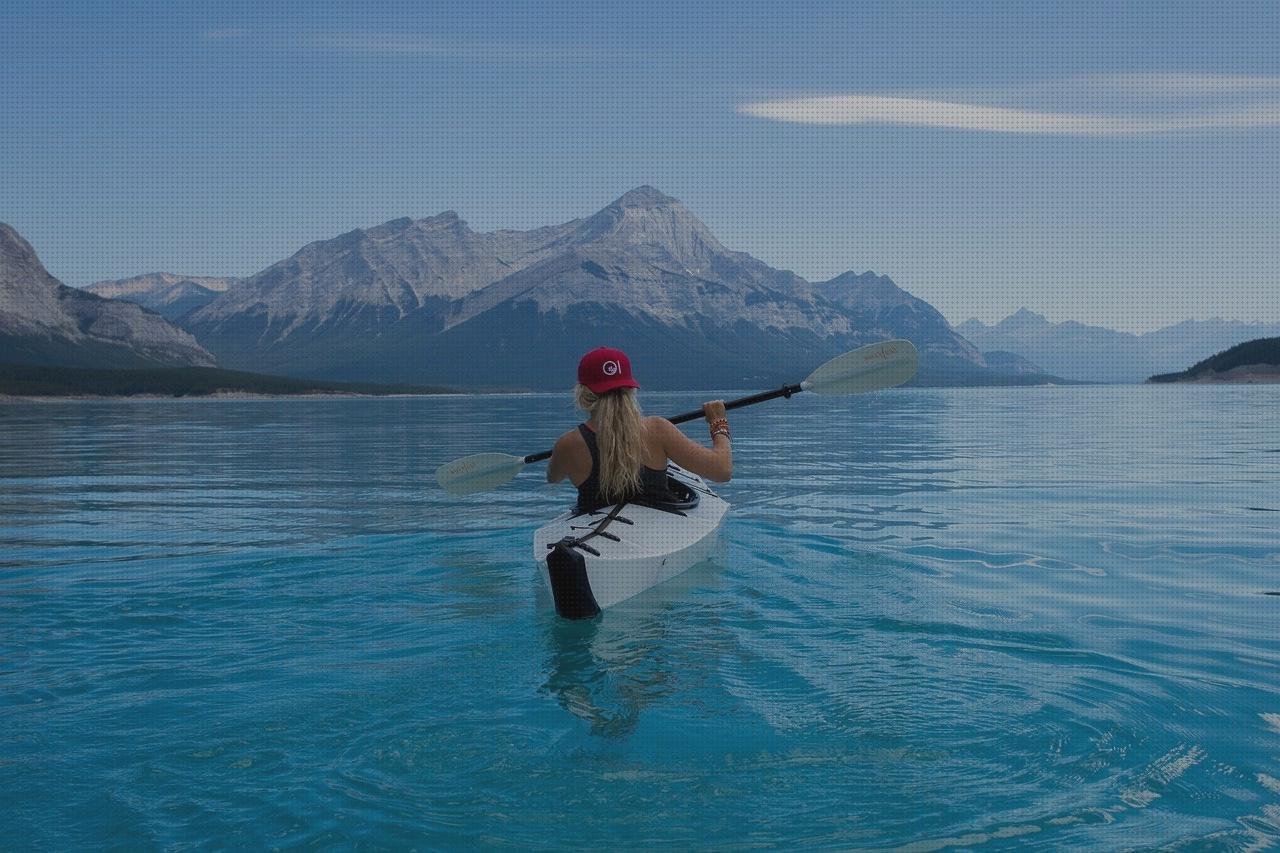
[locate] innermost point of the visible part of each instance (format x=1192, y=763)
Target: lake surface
x=974, y=618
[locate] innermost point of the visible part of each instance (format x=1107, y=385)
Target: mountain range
x=171, y=296
x=42, y=321
x=432, y=301
x=1093, y=353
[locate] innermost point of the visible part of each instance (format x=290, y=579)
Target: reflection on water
x=606, y=670
x=970, y=618
x=578, y=678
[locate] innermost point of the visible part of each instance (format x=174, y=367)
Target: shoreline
x=1248, y=380
x=1244, y=375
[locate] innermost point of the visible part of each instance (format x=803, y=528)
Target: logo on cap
x=605, y=369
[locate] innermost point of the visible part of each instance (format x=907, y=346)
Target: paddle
x=870, y=368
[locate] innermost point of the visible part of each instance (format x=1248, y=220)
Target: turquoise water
x=963, y=618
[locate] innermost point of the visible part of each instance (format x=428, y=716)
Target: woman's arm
x=715, y=462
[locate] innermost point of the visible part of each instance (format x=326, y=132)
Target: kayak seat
x=682, y=498
x=678, y=499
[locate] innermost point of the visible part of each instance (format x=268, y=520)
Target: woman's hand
x=713, y=410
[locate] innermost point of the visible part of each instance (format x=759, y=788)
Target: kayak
x=593, y=560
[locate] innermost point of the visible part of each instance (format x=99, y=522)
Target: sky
x=1109, y=163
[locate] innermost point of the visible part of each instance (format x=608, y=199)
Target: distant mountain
x=1252, y=361
x=1191, y=340
x=42, y=321
x=171, y=296
x=1093, y=353
x=433, y=302
x=878, y=309
x=1010, y=362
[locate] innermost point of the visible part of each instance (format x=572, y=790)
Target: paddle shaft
x=784, y=391
x=741, y=402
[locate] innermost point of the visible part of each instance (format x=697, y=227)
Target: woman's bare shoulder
x=570, y=438
x=666, y=432
x=659, y=426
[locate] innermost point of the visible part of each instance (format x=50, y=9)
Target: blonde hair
x=620, y=437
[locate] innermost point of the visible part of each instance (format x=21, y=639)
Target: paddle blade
x=869, y=368
x=478, y=472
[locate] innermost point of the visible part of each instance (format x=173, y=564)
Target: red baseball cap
x=606, y=369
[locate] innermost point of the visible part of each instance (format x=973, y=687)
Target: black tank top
x=653, y=483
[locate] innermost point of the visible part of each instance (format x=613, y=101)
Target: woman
x=619, y=454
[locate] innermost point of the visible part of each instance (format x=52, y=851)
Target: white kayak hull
x=590, y=561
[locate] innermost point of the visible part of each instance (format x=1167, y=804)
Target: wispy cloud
x=374, y=43
x=385, y=44
x=1220, y=102
x=224, y=34
x=425, y=45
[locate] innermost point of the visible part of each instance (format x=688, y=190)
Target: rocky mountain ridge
x=42, y=321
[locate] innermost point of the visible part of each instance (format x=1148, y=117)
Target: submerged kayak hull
x=595, y=560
